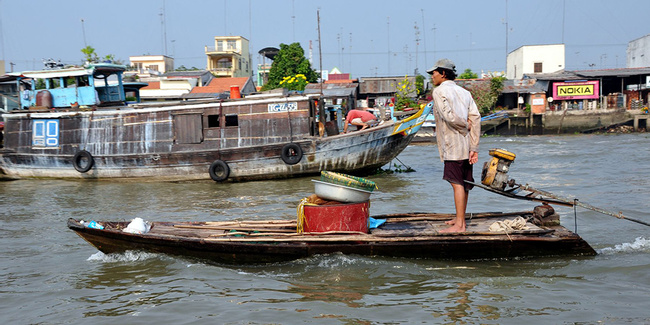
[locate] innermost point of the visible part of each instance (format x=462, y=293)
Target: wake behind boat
x=70, y=131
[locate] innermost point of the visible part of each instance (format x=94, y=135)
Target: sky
x=362, y=37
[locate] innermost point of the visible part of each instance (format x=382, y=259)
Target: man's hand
x=473, y=157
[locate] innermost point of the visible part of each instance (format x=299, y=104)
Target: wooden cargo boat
x=69, y=132
x=411, y=235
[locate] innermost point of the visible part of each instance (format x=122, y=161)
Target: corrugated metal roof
x=626, y=72
x=585, y=74
x=382, y=85
x=333, y=90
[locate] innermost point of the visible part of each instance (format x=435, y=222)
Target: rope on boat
x=302, y=221
x=508, y=226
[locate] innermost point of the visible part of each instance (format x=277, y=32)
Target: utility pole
x=417, y=43
x=164, y=30
x=506, y=35
x=83, y=31
x=434, y=41
x=563, y=16
x=293, y=18
x=424, y=37
x=350, y=54
x=388, y=41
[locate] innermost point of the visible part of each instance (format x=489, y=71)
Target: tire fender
x=219, y=171
x=291, y=154
x=83, y=161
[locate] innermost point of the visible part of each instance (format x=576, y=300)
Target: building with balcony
x=150, y=65
x=229, y=57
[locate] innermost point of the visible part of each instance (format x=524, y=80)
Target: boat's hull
x=362, y=153
x=553, y=241
x=158, y=144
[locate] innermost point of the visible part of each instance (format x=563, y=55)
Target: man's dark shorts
x=457, y=171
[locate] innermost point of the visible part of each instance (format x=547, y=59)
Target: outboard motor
x=495, y=172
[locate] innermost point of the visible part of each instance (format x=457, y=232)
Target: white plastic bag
x=138, y=226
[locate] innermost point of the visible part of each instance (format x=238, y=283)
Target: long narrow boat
x=410, y=235
x=66, y=131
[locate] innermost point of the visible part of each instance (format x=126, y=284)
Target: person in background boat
x=359, y=117
x=458, y=127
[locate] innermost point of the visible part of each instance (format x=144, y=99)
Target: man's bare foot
x=452, y=229
x=451, y=222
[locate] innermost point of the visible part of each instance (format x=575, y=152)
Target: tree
x=419, y=85
x=485, y=94
x=289, y=62
x=183, y=68
x=91, y=56
x=468, y=74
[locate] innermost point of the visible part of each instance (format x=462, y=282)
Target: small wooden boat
x=410, y=235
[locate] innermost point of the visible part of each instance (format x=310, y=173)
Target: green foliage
x=403, y=95
x=297, y=82
x=485, y=94
x=289, y=62
x=468, y=74
x=183, y=68
x=419, y=85
x=91, y=56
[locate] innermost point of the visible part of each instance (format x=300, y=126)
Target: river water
x=49, y=275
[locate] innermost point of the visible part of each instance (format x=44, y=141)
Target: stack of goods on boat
x=341, y=203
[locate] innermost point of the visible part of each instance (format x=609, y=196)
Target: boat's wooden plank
x=260, y=229
x=447, y=216
x=378, y=239
x=252, y=222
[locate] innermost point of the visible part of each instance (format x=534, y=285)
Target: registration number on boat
x=283, y=107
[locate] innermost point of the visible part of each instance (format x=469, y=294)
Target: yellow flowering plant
x=403, y=95
x=297, y=82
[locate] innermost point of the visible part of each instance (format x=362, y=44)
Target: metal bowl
x=336, y=192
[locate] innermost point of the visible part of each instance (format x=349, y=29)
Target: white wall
x=522, y=60
x=638, y=53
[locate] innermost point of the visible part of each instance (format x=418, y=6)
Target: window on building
x=538, y=67
x=213, y=121
x=232, y=45
x=188, y=128
x=232, y=120
x=153, y=67
x=45, y=133
x=224, y=63
x=220, y=46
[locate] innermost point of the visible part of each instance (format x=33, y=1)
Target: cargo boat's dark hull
x=184, y=140
x=408, y=235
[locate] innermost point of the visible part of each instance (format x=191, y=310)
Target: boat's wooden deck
x=285, y=230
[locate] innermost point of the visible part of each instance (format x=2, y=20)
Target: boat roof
x=70, y=72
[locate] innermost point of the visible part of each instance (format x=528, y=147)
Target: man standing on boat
x=359, y=117
x=458, y=130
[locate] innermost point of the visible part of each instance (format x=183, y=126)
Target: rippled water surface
x=49, y=275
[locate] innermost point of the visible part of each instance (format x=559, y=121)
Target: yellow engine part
x=491, y=171
x=501, y=153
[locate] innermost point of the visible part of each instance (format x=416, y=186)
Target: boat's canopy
x=79, y=86
x=92, y=69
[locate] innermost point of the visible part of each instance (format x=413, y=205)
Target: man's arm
x=474, y=120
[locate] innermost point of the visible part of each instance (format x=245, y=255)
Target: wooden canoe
x=411, y=235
